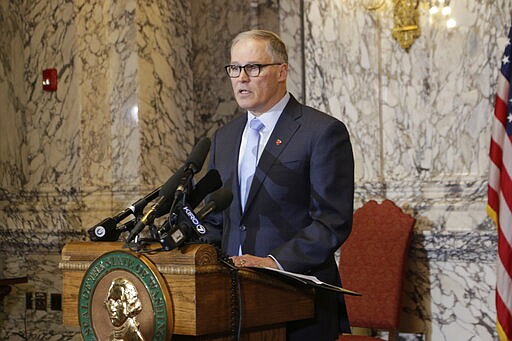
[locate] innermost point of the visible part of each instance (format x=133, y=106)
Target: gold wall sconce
x=406, y=17
x=406, y=27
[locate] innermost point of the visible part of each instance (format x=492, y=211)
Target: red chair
x=372, y=262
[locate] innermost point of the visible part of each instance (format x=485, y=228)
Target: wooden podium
x=200, y=290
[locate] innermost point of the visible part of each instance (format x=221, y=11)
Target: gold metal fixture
x=406, y=17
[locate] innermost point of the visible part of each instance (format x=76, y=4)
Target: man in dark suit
x=295, y=210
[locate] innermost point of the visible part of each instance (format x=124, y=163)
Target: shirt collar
x=269, y=118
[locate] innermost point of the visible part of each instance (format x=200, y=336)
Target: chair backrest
x=372, y=262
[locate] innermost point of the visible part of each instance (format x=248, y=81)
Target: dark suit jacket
x=300, y=204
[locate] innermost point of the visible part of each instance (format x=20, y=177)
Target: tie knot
x=256, y=124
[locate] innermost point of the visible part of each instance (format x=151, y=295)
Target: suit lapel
x=235, y=152
x=281, y=136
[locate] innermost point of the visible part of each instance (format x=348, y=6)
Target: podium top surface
x=191, y=255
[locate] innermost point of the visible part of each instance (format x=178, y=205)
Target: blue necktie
x=249, y=159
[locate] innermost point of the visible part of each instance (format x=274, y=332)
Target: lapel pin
x=278, y=142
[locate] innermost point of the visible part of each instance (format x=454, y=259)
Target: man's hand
x=250, y=260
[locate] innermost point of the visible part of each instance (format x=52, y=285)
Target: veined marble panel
x=52, y=118
x=291, y=32
x=122, y=59
x=13, y=165
x=214, y=24
x=449, y=301
x=35, y=220
x=166, y=97
x=422, y=113
x=342, y=75
x=457, y=204
x=438, y=98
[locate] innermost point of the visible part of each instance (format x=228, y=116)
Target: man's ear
x=283, y=72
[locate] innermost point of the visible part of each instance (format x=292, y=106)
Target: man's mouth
x=243, y=91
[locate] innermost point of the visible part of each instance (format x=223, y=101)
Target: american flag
x=499, y=192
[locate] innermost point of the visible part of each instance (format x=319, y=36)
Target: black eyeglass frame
x=240, y=67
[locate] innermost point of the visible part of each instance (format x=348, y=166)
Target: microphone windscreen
x=198, y=154
x=169, y=187
x=222, y=199
x=218, y=201
x=167, y=191
x=208, y=183
x=138, y=206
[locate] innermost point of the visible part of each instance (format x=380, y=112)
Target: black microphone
x=107, y=230
x=165, y=194
x=208, y=183
x=188, y=226
x=194, y=162
x=218, y=201
x=166, y=205
x=198, y=155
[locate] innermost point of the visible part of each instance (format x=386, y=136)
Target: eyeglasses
x=252, y=70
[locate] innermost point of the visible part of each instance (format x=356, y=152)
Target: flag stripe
x=500, y=109
x=506, y=321
x=505, y=199
x=505, y=263
x=493, y=204
x=496, y=154
x=506, y=159
x=502, y=87
x=503, y=298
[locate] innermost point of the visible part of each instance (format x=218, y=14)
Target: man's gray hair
x=275, y=46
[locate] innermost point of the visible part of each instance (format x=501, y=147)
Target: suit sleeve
x=331, y=174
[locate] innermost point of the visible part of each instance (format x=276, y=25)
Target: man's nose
x=243, y=75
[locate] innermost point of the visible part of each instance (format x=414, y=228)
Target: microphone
x=176, y=185
x=106, y=230
x=165, y=194
x=198, y=155
x=218, y=201
x=209, y=183
x=194, y=162
x=189, y=227
x=166, y=206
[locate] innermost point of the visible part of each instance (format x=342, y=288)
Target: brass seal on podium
x=124, y=297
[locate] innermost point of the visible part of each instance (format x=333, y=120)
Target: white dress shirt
x=269, y=119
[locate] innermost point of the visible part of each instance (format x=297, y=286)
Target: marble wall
x=12, y=97
x=215, y=23
x=120, y=123
x=419, y=122
x=140, y=81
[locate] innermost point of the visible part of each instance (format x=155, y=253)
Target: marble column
x=119, y=124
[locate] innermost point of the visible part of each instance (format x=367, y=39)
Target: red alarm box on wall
x=50, y=80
